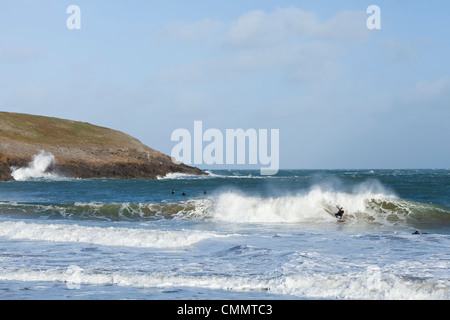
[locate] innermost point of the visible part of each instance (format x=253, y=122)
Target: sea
x=230, y=235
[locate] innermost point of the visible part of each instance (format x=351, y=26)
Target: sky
x=341, y=95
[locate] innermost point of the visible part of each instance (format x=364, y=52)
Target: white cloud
x=428, y=94
x=190, y=32
x=289, y=40
x=435, y=88
x=346, y=26
x=258, y=28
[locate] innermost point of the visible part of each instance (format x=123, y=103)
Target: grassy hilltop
x=81, y=150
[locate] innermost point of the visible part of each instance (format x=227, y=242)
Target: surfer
x=340, y=213
x=173, y=191
x=184, y=193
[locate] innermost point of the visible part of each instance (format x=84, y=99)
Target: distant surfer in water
x=340, y=213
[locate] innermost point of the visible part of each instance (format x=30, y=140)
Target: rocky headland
x=80, y=150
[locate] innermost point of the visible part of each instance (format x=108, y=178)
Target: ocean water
x=234, y=235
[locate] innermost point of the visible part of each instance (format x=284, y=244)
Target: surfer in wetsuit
x=340, y=213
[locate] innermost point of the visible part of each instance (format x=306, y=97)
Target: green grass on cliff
x=39, y=129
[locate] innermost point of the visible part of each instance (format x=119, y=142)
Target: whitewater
x=234, y=235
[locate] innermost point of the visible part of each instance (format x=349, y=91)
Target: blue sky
x=341, y=95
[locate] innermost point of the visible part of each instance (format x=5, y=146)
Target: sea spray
x=316, y=206
x=38, y=168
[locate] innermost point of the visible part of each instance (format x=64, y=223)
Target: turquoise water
x=234, y=235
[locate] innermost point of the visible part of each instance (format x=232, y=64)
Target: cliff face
x=81, y=150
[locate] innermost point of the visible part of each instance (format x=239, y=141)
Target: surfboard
x=330, y=211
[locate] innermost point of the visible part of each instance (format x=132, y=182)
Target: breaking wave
x=315, y=206
x=113, y=236
x=212, y=175
x=319, y=206
x=370, y=283
x=179, y=176
x=38, y=168
x=107, y=211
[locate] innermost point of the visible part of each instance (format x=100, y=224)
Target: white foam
x=236, y=175
x=314, y=206
x=209, y=174
x=36, y=168
x=112, y=236
x=76, y=275
x=370, y=284
x=175, y=175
